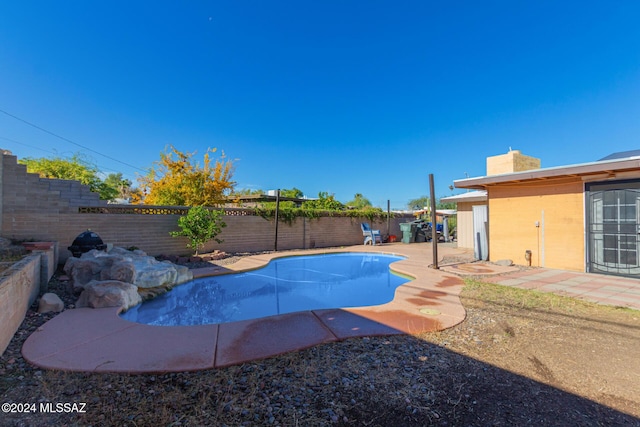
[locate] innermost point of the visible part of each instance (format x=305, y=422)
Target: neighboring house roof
x=622, y=155
x=257, y=198
x=618, y=168
x=440, y=212
x=471, y=196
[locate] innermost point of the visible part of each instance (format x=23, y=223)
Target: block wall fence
x=41, y=209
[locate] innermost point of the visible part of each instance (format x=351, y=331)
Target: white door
x=480, y=238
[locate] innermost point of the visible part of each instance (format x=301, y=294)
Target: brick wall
x=34, y=208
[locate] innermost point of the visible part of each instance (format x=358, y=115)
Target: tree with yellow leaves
x=177, y=180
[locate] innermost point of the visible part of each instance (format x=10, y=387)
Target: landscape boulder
x=120, y=266
x=121, y=270
x=82, y=271
x=50, y=302
x=109, y=293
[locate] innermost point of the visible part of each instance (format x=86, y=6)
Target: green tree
x=448, y=205
x=359, y=202
x=177, y=180
x=325, y=201
x=424, y=201
x=294, y=193
x=119, y=186
x=199, y=226
x=419, y=203
x=76, y=168
x=246, y=192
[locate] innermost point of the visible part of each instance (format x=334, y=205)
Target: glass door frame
x=613, y=229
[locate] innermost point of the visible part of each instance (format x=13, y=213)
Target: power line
x=68, y=140
x=102, y=169
x=27, y=145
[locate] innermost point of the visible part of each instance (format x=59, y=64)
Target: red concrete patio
x=98, y=340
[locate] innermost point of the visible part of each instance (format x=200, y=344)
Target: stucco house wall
x=546, y=218
x=575, y=229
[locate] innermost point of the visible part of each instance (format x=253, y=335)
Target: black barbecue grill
x=85, y=242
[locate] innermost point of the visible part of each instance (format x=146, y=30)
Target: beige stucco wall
x=558, y=208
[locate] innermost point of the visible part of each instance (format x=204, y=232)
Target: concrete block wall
x=31, y=206
x=344, y=231
x=35, y=208
x=48, y=265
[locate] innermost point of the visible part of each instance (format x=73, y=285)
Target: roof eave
x=602, y=170
x=470, y=197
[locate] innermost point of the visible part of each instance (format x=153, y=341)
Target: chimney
x=513, y=161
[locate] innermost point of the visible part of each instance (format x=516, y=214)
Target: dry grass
x=520, y=358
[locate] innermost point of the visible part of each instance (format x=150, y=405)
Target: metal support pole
x=275, y=246
x=388, y=217
x=434, y=226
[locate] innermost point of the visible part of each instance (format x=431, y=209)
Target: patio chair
x=370, y=236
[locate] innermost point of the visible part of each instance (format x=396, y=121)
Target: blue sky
x=339, y=96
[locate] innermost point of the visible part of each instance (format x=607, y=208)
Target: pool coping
x=98, y=340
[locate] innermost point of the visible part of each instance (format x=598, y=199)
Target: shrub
x=200, y=225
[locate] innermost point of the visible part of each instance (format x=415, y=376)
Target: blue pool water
x=285, y=285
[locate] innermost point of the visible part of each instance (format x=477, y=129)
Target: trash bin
x=408, y=232
x=421, y=236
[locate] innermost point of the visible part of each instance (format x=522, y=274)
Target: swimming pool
x=285, y=285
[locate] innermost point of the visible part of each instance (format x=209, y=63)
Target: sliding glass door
x=614, y=228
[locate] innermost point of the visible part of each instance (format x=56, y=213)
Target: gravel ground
x=502, y=366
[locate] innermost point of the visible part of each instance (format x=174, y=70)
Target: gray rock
x=504, y=262
x=121, y=270
x=120, y=264
x=82, y=271
x=184, y=274
x=151, y=273
x=109, y=293
x=50, y=302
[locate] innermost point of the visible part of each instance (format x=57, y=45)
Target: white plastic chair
x=370, y=236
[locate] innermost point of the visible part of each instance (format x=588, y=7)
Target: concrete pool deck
x=98, y=340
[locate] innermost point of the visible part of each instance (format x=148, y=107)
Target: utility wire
x=27, y=145
x=69, y=141
x=101, y=169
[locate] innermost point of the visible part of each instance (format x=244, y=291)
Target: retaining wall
x=19, y=288
x=20, y=285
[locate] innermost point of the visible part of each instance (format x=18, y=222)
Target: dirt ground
x=519, y=358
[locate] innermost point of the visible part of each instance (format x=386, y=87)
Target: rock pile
x=114, y=278
x=202, y=258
